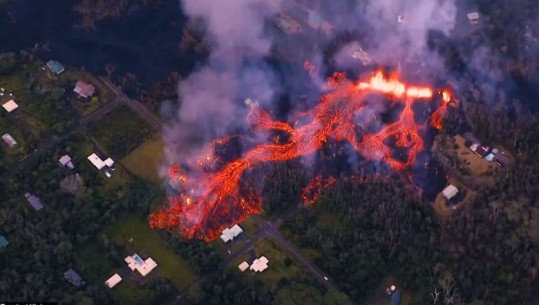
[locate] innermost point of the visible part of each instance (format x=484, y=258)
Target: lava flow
x=212, y=193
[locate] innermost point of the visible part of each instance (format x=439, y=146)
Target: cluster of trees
x=92, y=11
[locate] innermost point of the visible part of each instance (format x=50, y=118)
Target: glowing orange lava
x=212, y=195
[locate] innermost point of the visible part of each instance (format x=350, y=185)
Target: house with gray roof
x=74, y=278
x=34, y=201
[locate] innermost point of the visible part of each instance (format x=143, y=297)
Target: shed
x=450, y=191
x=34, y=201
x=113, y=280
x=65, y=160
x=74, y=278
x=3, y=241
x=55, y=67
x=109, y=162
x=10, y=105
x=243, y=266
x=9, y=140
x=84, y=90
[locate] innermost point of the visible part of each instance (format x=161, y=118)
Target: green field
x=280, y=266
x=119, y=132
x=148, y=244
x=144, y=160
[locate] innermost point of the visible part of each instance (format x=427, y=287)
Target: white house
x=10, y=105
x=113, y=280
x=135, y=262
x=229, y=234
x=96, y=161
x=450, y=191
x=260, y=264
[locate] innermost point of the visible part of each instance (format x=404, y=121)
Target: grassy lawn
x=148, y=244
x=280, y=266
x=144, y=160
x=120, y=132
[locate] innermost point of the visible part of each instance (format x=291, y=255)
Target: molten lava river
x=212, y=195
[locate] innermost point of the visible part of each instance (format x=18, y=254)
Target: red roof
x=83, y=89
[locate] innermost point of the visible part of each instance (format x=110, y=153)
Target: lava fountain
x=212, y=194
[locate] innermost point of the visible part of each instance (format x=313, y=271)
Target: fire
x=218, y=197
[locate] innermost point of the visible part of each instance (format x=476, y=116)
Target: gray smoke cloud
x=212, y=96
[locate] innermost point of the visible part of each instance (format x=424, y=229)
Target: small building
x=10, y=105
x=109, y=163
x=229, y=234
x=113, y=280
x=489, y=157
x=96, y=161
x=65, y=160
x=450, y=191
x=144, y=267
x=473, y=17
x=84, y=90
x=74, y=278
x=9, y=140
x=400, y=18
x=3, y=241
x=34, y=201
x=243, y=266
x=55, y=67
x=259, y=264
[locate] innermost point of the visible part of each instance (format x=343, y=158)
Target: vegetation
x=120, y=131
x=145, y=160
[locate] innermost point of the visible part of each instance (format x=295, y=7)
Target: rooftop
x=96, y=161
x=135, y=262
x=10, y=105
x=113, y=280
x=74, y=278
x=229, y=234
x=260, y=264
x=9, y=140
x=450, y=191
x=3, y=241
x=55, y=67
x=34, y=201
x=84, y=89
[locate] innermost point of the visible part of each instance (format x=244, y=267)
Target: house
x=3, y=241
x=489, y=157
x=144, y=267
x=8, y=139
x=74, y=278
x=473, y=17
x=479, y=150
x=34, y=201
x=55, y=67
x=65, y=160
x=260, y=264
x=96, y=161
x=450, y=191
x=113, y=280
x=243, y=266
x=10, y=105
x=229, y=234
x=84, y=90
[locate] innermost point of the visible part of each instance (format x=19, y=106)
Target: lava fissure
x=211, y=200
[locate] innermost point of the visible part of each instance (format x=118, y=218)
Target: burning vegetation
x=212, y=194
